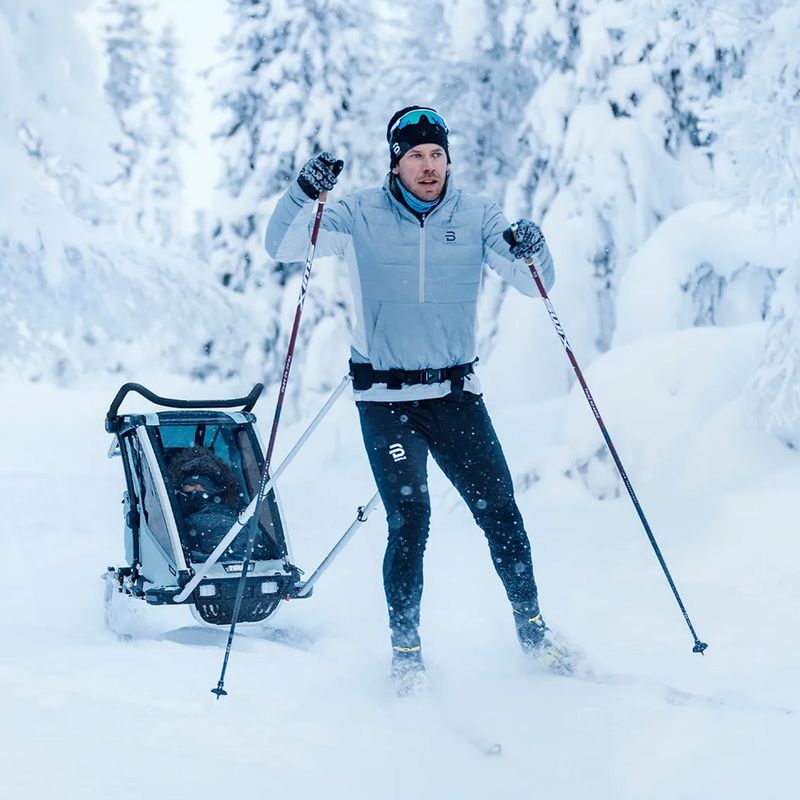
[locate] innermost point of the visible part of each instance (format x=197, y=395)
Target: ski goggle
x=414, y=117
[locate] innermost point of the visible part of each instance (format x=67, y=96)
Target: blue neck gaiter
x=414, y=203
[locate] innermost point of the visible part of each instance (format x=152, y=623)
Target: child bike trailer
x=189, y=473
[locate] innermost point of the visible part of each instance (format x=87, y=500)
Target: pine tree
x=127, y=48
x=163, y=183
x=485, y=91
x=613, y=126
x=758, y=125
x=81, y=292
x=294, y=82
x=777, y=382
x=288, y=92
x=144, y=89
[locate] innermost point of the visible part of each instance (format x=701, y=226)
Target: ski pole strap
x=364, y=376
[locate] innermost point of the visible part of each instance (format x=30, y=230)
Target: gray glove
x=319, y=174
x=525, y=239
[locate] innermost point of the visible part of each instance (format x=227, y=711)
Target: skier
x=415, y=249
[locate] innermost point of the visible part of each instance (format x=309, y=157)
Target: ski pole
x=219, y=690
x=699, y=647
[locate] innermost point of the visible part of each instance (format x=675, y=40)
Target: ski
x=459, y=727
x=577, y=667
x=676, y=696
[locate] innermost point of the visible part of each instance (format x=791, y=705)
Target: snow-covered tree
x=81, y=292
x=162, y=179
x=777, y=383
x=485, y=88
x=289, y=88
x=294, y=81
x=758, y=125
x=127, y=83
x=614, y=130
x=757, y=122
x=145, y=90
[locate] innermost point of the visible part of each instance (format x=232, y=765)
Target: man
x=415, y=250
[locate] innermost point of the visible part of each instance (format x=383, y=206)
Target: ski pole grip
x=510, y=235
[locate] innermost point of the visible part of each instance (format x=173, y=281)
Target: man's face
x=423, y=170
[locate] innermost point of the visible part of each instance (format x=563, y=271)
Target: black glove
x=524, y=238
x=319, y=174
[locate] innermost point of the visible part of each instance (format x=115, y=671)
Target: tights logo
x=397, y=452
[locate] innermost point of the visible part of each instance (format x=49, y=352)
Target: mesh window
x=153, y=512
x=269, y=519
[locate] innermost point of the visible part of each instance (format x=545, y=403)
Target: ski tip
x=219, y=692
x=699, y=647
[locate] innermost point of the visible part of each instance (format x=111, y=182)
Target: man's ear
x=395, y=170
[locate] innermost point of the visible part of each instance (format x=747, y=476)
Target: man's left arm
x=497, y=253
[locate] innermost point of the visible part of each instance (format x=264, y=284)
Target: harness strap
x=364, y=376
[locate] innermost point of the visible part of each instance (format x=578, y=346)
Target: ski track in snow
x=88, y=715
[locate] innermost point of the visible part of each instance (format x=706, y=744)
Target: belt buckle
x=431, y=376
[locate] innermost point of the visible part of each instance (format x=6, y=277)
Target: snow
x=657, y=293
x=626, y=132
x=82, y=708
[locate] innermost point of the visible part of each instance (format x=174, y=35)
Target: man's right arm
x=289, y=228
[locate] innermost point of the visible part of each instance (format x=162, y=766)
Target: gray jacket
x=415, y=284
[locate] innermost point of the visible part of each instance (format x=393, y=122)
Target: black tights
x=459, y=435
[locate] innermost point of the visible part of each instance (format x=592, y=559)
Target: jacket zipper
x=422, y=258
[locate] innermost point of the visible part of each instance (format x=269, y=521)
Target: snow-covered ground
x=635, y=118
x=86, y=715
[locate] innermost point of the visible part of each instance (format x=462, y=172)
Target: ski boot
x=538, y=643
x=408, y=671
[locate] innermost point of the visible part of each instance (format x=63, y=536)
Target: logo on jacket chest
x=449, y=236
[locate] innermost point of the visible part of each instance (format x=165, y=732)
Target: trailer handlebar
x=247, y=402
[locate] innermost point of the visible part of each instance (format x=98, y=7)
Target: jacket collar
x=450, y=193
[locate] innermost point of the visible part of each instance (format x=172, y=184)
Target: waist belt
x=364, y=376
